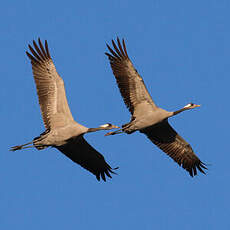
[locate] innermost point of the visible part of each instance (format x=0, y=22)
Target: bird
x=146, y=116
x=61, y=130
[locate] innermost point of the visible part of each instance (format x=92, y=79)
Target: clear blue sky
x=181, y=48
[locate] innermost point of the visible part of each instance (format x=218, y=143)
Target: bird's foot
x=115, y=132
x=14, y=148
x=110, y=133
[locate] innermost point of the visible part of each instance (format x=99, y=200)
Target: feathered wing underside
x=50, y=87
x=82, y=153
x=167, y=139
x=130, y=83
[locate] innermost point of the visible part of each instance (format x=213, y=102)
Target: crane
x=62, y=131
x=147, y=117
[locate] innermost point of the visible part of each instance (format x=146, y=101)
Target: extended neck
x=178, y=111
x=95, y=129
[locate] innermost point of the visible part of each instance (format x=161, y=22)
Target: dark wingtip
x=190, y=173
x=30, y=47
x=203, y=165
x=98, y=177
x=34, y=43
x=30, y=56
x=103, y=176
x=116, y=55
x=47, y=49
x=200, y=166
x=124, y=46
x=111, y=170
x=107, y=172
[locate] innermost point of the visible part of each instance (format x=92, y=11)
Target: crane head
x=191, y=106
x=108, y=126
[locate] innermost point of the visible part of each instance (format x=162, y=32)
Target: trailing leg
x=19, y=147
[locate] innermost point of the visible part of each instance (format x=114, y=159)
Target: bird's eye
x=191, y=104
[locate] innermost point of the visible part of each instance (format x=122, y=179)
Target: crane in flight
x=147, y=117
x=62, y=131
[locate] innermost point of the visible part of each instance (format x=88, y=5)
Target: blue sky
x=181, y=49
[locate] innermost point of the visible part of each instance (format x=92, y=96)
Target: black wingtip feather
x=112, y=52
x=36, y=56
x=103, y=176
x=200, y=169
x=120, y=47
x=203, y=165
x=124, y=46
x=47, y=49
x=117, y=50
x=107, y=173
x=31, y=57
x=98, y=177
x=109, y=55
x=38, y=53
x=111, y=170
x=42, y=48
x=193, y=171
x=38, y=50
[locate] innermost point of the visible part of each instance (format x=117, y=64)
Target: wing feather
x=82, y=153
x=130, y=83
x=167, y=139
x=50, y=87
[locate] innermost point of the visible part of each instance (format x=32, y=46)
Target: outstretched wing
x=130, y=83
x=50, y=87
x=167, y=139
x=82, y=153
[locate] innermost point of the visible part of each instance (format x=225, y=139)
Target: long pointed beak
x=115, y=127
